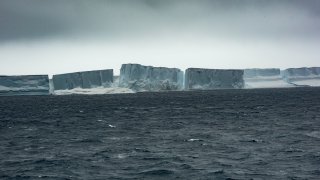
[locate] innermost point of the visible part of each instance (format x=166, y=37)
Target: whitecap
x=93, y=91
x=192, y=140
x=121, y=156
x=315, y=134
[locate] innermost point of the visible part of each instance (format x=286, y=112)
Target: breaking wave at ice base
x=94, y=91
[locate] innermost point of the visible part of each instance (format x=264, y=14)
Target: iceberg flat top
x=207, y=69
x=83, y=72
x=147, y=66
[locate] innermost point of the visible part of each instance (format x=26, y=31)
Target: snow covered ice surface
x=302, y=76
x=24, y=85
x=147, y=78
x=264, y=78
x=206, y=79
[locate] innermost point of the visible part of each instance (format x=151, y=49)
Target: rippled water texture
x=225, y=134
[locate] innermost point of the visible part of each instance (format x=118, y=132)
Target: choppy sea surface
x=223, y=134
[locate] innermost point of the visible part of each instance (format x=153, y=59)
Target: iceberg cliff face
x=206, y=79
x=84, y=80
x=24, y=85
x=264, y=78
x=302, y=76
x=148, y=78
x=67, y=81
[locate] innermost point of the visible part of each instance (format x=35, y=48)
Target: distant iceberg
x=207, y=79
x=24, y=85
x=302, y=76
x=264, y=78
x=139, y=78
x=147, y=78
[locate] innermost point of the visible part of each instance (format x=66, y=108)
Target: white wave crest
x=92, y=91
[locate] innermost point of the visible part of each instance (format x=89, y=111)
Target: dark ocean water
x=224, y=134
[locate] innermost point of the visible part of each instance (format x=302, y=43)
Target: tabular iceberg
x=206, y=79
x=24, y=85
x=264, y=78
x=84, y=80
x=147, y=78
x=302, y=76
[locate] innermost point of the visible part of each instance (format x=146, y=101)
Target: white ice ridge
x=24, y=85
x=302, y=76
x=206, y=79
x=147, y=78
x=264, y=78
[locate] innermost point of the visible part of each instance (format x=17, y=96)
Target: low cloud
x=113, y=19
x=46, y=36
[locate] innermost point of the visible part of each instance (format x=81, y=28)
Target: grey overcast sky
x=58, y=36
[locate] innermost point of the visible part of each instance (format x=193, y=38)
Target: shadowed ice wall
x=302, y=76
x=206, y=79
x=148, y=78
x=24, y=85
x=85, y=80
